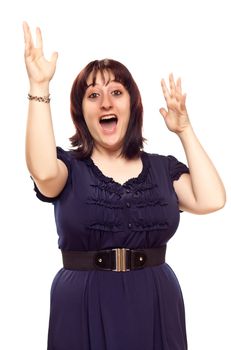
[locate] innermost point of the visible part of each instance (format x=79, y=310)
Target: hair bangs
x=107, y=67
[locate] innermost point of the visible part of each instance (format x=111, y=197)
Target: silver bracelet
x=45, y=99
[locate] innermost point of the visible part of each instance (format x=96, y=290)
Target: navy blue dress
x=108, y=310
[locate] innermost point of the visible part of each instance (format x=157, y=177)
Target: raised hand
x=39, y=69
x=176, y=116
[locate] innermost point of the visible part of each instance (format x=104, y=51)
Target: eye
x=116, y=92
x=93, y=95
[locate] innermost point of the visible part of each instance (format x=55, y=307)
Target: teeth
x=108, y=117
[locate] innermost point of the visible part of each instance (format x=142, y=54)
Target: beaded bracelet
x=45, y=99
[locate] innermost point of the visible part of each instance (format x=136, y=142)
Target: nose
x=106, y=102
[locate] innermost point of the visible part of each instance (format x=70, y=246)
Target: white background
x=152, y=38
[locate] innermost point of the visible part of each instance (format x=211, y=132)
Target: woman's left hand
x=176, y=116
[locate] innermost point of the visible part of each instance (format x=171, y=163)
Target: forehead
x=103, y=77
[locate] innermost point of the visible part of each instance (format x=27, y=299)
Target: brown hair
x=82, y=140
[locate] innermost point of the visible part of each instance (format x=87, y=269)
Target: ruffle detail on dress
x=142, y=188
x=150, y=226
x=97, y=172
x=107, y=195
x=140, y=194
x=109, y=188
x=141, y=178
x=152, y=203
x=106, y=227
x=132, y=181
x=105, y=203
x=147, y=195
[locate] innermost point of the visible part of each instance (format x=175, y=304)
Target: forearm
x=206, y=183
x=41, y=155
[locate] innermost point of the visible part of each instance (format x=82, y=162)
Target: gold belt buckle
x=120, y=255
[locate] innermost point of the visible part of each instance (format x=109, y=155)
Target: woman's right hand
x=40, y=71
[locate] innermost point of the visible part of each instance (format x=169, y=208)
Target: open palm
x=39, y=69
x=176, y=116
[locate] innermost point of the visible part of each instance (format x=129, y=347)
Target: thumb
x=163, y=112
x=54, y=57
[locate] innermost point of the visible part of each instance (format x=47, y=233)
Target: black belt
x=117, y=259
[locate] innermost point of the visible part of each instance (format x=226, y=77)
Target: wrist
x=39, y=89
x=186, y=132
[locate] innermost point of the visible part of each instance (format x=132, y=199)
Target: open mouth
x=108, y=122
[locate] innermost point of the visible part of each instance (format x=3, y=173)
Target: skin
x=106, y=99
x=49, y=174
x=176, y=116
x=109, y=97
x=200, y=192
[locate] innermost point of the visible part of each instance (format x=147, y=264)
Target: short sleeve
x=176, y=168
x=66, y=158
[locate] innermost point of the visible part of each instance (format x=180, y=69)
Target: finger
x=172, y=84
x=39, y=40
x=165, y=89
x=178, y=86
x=26, y=30
x=163, y=112
x=54, y=57
x=183, y=102
x=27, y=38
x=179, y=96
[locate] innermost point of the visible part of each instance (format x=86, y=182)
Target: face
x=106, y=110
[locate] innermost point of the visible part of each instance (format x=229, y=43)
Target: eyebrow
x=110, y=81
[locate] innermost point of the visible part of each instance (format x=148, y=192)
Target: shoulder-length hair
x=82, y=140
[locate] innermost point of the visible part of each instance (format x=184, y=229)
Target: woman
x=116, y=207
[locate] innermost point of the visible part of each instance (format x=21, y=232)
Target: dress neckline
x=134, y=180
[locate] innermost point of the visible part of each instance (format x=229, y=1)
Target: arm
x=49, y=173
x=202, y=191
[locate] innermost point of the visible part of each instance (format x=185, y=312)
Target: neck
x=99, y=152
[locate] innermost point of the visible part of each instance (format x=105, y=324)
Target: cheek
x=128, y=109
x=128, y=112
x=85, y=105
x=87, y=114
x=89, y=108
x=125, y=108
x=89, y=122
